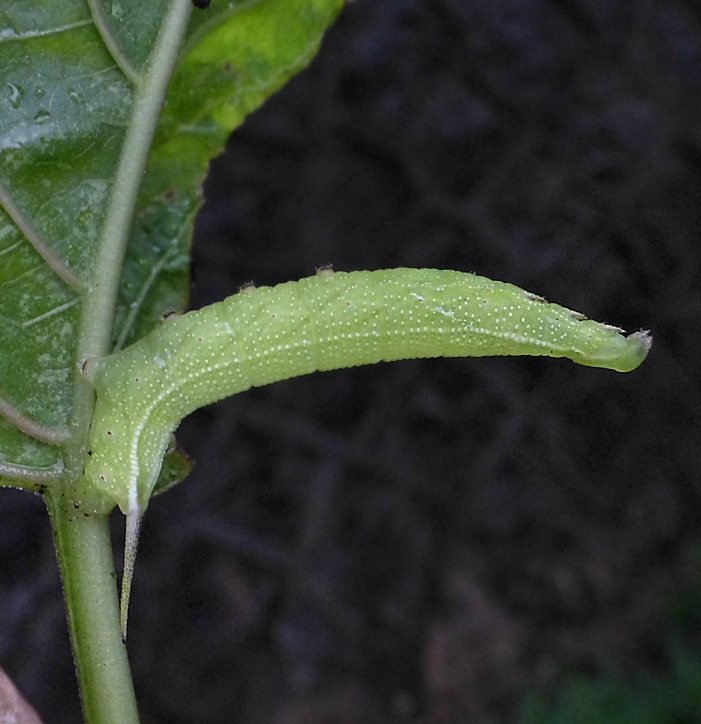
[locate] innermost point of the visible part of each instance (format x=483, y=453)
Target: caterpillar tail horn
x=131, y=544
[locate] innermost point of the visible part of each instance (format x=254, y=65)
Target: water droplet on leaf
x=16, y=94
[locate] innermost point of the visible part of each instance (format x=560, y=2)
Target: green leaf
x=237, y=54
x=176, y=467
x=68, y=73
x=63, y=111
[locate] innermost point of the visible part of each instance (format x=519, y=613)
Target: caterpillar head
x=617, y=352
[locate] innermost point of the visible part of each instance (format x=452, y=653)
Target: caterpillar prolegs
x=325, y=322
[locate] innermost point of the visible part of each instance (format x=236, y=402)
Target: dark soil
x=424, y=541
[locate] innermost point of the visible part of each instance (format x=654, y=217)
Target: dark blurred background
x=426, y=541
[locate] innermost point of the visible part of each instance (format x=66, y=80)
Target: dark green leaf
x=66, y=92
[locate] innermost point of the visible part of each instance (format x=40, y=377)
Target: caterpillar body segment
x=325, y=322
x=328, y=321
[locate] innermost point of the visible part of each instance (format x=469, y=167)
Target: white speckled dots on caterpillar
x=325, y=322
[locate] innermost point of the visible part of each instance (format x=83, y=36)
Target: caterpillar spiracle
x=324, y=322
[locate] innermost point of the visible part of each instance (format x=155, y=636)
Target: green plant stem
x=100, y=300
x=82, y=537
x=84, y=554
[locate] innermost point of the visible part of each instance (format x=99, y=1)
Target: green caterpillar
x=324, y=322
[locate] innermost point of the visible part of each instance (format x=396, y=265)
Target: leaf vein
x=37, y=477
x=34, y=238
x=50, y=435
x=138, y=302
x=43, y=33
x=51, y=313
x=112, y=45
x=10, y=248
